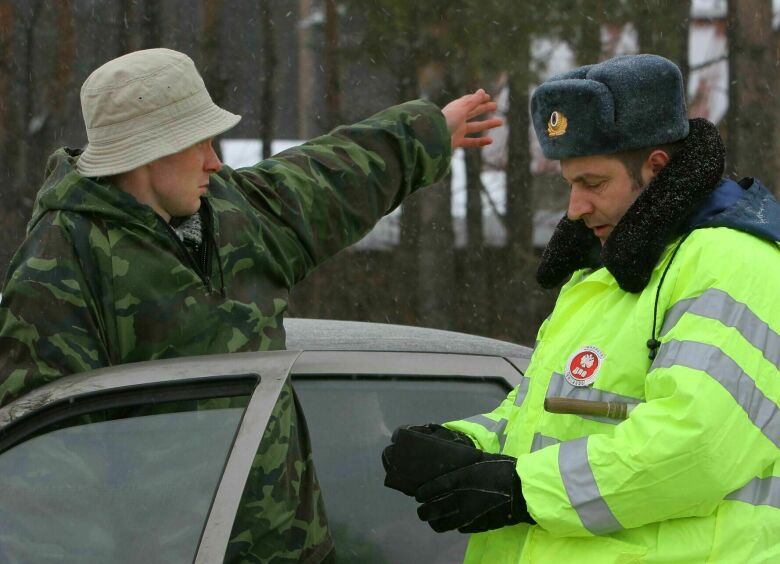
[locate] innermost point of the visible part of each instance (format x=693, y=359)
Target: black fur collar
x=658, y=215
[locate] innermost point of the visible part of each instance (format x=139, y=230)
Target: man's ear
x=658, y=159
x=655, y=161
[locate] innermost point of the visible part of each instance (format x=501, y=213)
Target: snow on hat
x=624, y=103
x=143, y=106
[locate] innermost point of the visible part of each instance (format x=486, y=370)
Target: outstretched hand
x=458, y=112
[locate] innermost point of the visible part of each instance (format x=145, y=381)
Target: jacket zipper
x=203, y=275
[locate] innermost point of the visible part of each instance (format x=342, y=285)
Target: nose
x=579, y=204
x=212, y=162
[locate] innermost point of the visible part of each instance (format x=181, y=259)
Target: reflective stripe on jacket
x=693, y=474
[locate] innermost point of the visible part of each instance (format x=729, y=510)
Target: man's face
x=177, y=182
x=601, y=192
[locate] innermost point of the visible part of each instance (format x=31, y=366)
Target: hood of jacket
x=64, y=189
x=746, y=205
x=689, y=193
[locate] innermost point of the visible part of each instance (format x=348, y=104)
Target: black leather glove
x=479, y=497
x=420, y=453
x=438, y=431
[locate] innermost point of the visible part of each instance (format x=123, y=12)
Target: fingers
x=480, y=126
x=484, y=521
x=394, y=437
x=482, y=108
x=475, y=127
x=472, y=142
x=436, y=487
x=471, y=105
x=387, y=457
x=478, y=97
x=426, y=429
x=442, y=514
x=479, y=102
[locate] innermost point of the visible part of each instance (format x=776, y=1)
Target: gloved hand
x=420, y=453
x=479, y=497
x=438, y=431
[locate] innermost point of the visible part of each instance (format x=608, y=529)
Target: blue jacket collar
x=747, y=206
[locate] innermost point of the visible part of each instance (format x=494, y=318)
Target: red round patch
x=583, y=366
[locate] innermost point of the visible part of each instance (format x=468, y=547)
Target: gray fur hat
x=624, y=103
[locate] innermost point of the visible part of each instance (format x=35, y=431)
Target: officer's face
x=177, y=182
x=601, y=191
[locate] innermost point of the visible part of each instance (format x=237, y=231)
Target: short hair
x=635, y=158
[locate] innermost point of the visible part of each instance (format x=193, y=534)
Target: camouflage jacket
x=102, y=280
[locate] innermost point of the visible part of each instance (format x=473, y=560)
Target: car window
x=350, y=419
x=120, y=485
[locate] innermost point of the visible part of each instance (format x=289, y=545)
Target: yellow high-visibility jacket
x=693, y=474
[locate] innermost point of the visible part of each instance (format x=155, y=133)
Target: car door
x=138, y=463
x=353, y=400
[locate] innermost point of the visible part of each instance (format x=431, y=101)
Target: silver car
x=148, y=485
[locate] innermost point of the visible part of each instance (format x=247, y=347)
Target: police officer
x=669, y=311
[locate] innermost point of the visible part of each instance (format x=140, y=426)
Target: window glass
x=130, y=485
x=350, y=420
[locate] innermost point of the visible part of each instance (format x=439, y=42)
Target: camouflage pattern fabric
x=267, y=528
x=102, y=280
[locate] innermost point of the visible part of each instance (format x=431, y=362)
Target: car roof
x=333, y=335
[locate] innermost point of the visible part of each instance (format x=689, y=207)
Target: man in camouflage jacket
x=109, y=274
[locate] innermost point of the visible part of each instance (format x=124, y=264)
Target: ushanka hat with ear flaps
x=625, y=103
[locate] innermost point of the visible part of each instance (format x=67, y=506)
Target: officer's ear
x=653, y=164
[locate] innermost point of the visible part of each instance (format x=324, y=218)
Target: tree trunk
x=9, y=142
x=267, y=71
x=125, y=27
x=34, y=118
x=475, y=263
x=151, y=33
x=588, y=47
x=211, y=49
x=65, y=55
x=305, y=71
x=436, y=245
x=17, y=140
x=663, y=29
x=519, y=306
x=211, y=53
x=750, y=122
x=407, y=255
x=436, y=268
x=331, y=66
x=6, y=83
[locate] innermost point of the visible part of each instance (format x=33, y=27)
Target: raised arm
x=326, y=194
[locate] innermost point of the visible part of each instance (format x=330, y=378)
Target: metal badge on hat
x=557, y=124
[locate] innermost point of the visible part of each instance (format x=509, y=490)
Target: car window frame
x=261, y=376
x=409, y=364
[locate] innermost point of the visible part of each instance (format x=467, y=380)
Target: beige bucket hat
x=143, y=106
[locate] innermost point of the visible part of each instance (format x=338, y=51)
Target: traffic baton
x=608, y=409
